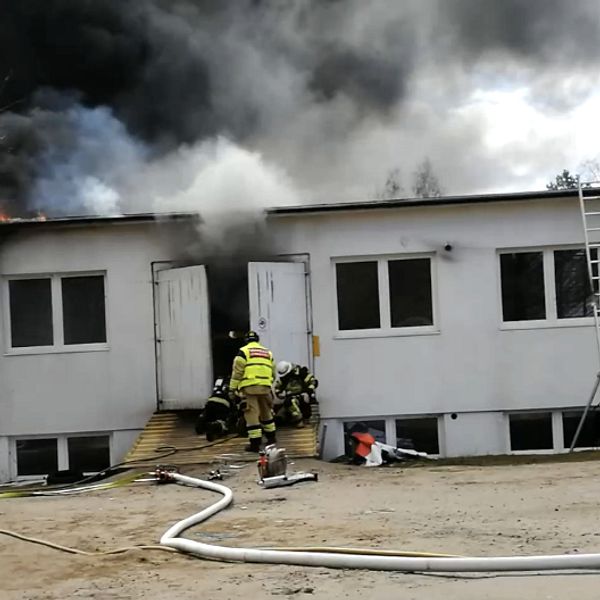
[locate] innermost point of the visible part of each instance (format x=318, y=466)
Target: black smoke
x=546, y=32
x=226, y=260
x=174, y=72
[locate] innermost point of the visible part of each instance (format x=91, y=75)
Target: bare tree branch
x=425, y=181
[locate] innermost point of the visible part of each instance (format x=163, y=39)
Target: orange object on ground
x=364, y=441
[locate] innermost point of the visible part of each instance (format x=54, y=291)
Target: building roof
x=407, y=202
x=42, y=221
x=295, y=210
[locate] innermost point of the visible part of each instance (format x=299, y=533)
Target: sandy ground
x=475, y=510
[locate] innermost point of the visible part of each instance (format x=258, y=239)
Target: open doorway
x=198, y=305
x=229, y=310
x=270, y=298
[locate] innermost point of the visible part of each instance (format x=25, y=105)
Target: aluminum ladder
x=589, y=205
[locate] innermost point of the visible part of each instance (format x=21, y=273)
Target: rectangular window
x=531, y=431
x=375, y=428
x=31, y=312
x=89, y=454
x=549, y=285
x=589, y=436
x=57, y=311
x=410, y=292
x=357, y=295
x=572, y=284
x=386, y=294
x=37, y=456
x=522, y=282
x=422, y=433
x=84, y=318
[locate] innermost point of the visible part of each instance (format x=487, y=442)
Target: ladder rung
x=592, y=214
x=594, y=245
x=594, y=261
x=591, y=197
x=593, y=229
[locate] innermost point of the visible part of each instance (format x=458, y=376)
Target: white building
x=459, y=322
x=78, y=368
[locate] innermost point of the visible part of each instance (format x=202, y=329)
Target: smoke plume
x=158, y=105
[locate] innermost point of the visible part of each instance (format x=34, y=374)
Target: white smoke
x=86, y=157
x=214, y=178
x=90, y=164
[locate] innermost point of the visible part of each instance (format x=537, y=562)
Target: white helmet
x=283, y=368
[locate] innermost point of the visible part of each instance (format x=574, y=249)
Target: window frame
x=438, y=423
x=551, y=321
x=558, y=441
x=14, y=463
x=62, y=450
x=565, y=446
x=385, y=316
x=346, y=422
x=390, y=427
x=58, y=346
x=553, y=431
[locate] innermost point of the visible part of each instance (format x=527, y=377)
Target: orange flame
x=5, y=218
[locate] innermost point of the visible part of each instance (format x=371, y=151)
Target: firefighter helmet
x=251, y=336
x=283, y=368
x=221, y=387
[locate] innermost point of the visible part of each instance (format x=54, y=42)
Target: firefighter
x=296, y=387
x=252, y=377
x=218, y=418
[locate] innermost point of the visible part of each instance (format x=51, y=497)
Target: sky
x=140, y=105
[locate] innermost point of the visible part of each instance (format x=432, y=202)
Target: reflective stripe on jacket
x=252, y=366
x=298, y=381
x=219, y=400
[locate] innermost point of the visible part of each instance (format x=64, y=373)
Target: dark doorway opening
x=229, y=311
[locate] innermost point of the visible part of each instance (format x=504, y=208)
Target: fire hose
x=345, y=558
x=348, y=558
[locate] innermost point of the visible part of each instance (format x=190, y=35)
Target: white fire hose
x=351, y=560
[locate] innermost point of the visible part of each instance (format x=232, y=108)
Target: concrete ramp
x=175, y=429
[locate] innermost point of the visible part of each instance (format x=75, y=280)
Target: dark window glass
x=589, y=436
x=84, y=316
x=531, y=431
x=37, y=457
x=30, y=312
x=375, y=428
x=89, y=454
x=572, y=284
x=410, y=292
x=522, y=275
x=357, y=295
x=423, y=433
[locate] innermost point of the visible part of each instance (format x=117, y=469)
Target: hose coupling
x=164, y=474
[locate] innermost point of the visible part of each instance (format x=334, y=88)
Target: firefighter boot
x=215, y=430
x=271, y=437
x=253, y=446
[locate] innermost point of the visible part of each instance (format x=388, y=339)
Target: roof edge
x=130, y=218
x=417, y=202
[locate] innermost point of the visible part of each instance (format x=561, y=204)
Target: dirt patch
x=482, y=510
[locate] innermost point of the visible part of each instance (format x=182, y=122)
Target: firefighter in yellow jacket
x=252, y=377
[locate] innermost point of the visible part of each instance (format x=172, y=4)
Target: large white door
x=184, y=343
x=278, y=309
